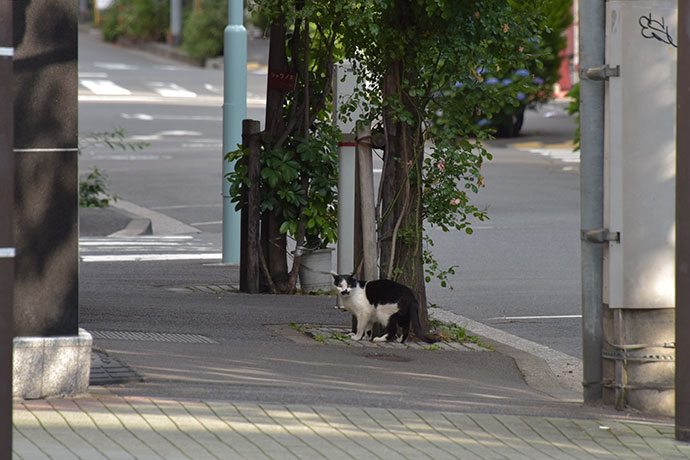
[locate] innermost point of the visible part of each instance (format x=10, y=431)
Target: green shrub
x=202, y=32
x=146, y=20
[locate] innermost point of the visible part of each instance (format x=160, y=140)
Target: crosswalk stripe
x=170, y=89
x=145, y=248
x=564, y=155
x=150, y=257
x=104, y=88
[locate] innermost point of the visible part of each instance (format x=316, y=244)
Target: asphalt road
x=518, y=272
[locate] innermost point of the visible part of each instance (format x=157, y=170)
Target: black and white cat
x=389, y=303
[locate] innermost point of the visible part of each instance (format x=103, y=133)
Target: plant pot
x=315, y=270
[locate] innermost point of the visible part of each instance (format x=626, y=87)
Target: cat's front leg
x=363, y=326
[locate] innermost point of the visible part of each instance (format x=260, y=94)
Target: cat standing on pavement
x=389, y=303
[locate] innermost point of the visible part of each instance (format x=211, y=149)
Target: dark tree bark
x=274, y=241
x=402, y=227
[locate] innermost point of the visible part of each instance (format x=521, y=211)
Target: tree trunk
x=401, y=213
x=274, y=241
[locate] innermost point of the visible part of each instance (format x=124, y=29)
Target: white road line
x=170, y=89
x=564, y=155
x=186, y=206
x=144, y=248
x=213, y=222
x=150, y=257
x=115, y=66
x=213, y=89
x=148, y=117
x=93, y=75
x=104, y=88
x=518, y=318
x=201, y=101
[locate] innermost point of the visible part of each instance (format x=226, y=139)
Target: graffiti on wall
x=656, y=29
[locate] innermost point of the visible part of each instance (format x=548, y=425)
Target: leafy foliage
x=283, y=172
x=426, y=68
x=146, y=20
x=93, y=190
x=94, y=186
x=203, y=29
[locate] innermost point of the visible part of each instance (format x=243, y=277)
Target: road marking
x=213, y=222
x=137, y=116
x=93, y=75
x=170, y=89
x=145, y=248
x=115, y=66
x=151, y=257
x=131, y=157
x=213, y=89
x=147, y=117
x=187, y=206
x=162, y=134
x=104, y=88
x=518, y=318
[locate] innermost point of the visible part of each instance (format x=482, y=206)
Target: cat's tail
x=416, y=325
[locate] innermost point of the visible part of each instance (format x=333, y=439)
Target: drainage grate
x=106, y=370
x=152, y=336
x=206, y=288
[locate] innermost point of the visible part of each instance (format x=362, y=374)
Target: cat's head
x=344, y=283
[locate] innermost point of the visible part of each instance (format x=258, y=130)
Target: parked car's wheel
x=511, y=125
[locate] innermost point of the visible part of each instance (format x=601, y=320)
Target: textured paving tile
x=111, y=427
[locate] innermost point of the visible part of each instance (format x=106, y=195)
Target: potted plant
x=298, y=184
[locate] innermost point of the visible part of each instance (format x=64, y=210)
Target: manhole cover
x=151, y=336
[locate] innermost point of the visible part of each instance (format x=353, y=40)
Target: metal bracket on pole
x=600, y=236
x=602, y=73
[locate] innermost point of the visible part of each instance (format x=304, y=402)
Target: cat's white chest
x=357, y=301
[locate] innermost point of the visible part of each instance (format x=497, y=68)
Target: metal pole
x=6, y=228
x=346, y=204
x=592, y=39
x=176, y=22
x=234, y=111
x=683, y=226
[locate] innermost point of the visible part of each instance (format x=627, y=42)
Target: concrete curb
x=158, y=224
x=547, y=370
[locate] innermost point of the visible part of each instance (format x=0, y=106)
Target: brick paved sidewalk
x=112, y=427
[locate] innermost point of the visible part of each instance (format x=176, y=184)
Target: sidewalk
x=112, y=427
x=256, y=387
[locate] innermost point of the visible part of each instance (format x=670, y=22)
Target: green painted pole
x=234, y=111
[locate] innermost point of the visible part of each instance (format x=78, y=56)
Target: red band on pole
x=347, y=144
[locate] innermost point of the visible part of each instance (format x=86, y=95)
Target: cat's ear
x=334, y=275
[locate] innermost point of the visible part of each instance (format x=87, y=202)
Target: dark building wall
x=46, y=182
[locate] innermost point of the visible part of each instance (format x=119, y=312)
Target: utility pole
x=176, y=22
x=7, y=250
x=234, y=111
x=591, y=194
x=683, y=226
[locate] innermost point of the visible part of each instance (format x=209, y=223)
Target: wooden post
x=249, y=250
x=367, y=202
